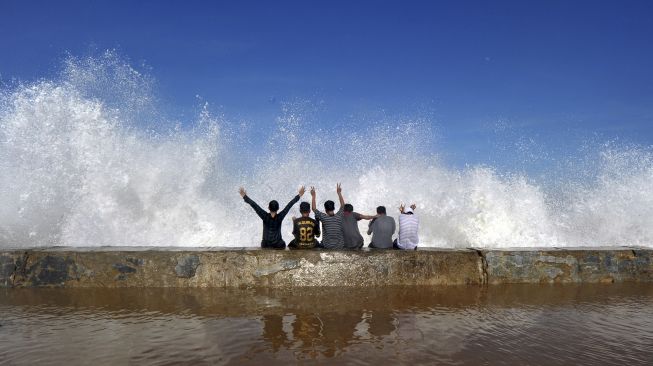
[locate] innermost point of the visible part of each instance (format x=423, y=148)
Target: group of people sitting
x=339, y=228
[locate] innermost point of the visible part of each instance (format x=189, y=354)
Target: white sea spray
x=79, y=166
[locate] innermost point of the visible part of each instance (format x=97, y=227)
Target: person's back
x=332, y=237
x=408, y=229
x=272, y=220
x=305, y=229
x=272, y=232
x=351, y=235
x=382, y=228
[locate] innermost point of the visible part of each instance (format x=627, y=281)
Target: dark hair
x=380, y=210
x=349, y=208
x=329, y=205
x=304, y=207
x=273, y=206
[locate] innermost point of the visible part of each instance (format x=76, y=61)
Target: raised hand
x=301, y=191
x=413, y=206
x=340, y=198
x=402, y=208
x=313, y=204
x=242, y=192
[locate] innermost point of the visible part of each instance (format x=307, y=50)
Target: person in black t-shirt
x=272, y=220
x=305, y=229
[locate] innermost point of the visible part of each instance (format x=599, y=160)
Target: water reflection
x=312, y=335
x=380, y=324
x=498, y=325
x=273, y=332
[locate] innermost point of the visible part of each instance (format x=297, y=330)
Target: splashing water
x=78, y=168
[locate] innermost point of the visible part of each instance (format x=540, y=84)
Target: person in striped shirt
x=408, y=228
x=332, y=236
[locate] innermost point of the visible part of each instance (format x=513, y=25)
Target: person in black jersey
x=272, y=220
x=305, y=229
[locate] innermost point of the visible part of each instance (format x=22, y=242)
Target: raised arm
x=339, y=190
x=368, y=217
x=284, y=212
x=259, y=211
x=313, y=204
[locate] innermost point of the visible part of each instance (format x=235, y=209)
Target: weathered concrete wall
x=568, y=266
x=236, y=268
x=140, y=267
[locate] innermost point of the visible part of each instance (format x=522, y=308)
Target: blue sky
x=556, y=72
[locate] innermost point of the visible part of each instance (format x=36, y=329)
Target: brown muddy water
x=495, y=325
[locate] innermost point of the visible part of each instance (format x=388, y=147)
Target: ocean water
x=88, y=158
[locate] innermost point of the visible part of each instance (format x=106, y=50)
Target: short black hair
x=329, y=205
x=380, y=210
x=348, y=208
x=304, y=207
x=273, y=206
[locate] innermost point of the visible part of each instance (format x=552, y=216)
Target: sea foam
x=87, y=159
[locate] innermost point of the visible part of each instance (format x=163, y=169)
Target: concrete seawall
x=248, y=267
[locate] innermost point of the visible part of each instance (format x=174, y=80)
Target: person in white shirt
x=408, y=228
